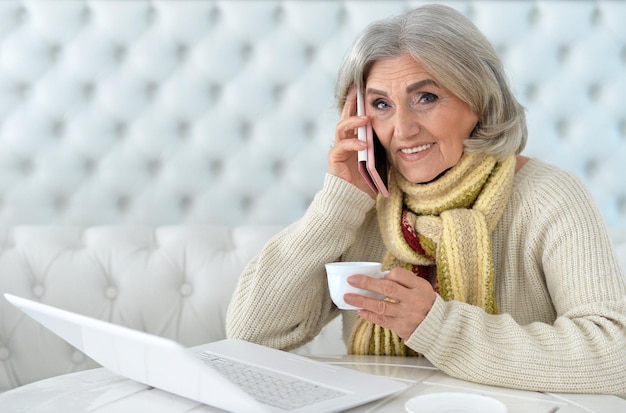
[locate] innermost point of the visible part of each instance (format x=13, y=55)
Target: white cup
x=338, y=273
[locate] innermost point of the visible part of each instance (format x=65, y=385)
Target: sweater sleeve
x=558, y=254
x=282, y=298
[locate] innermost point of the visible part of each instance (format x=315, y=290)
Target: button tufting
x=26, y=166
x=21, y=15
x=562, y=127
x=186, y=290
x=23, y=90
x=38, y=290
x=182, y=50
x=216, y=166
x=60, y=203
x=111, y=293
x=123, y=203
x=621, y=204
x=185, y=203
x=278, y=168
x=277, y=93
x=245, y=130
x=246, y=203
x=214, y=16
x=153, y=166
x=594, y=92
x=531, y=92
x=89, y=166
x=151, y=90
x=120, y=130
x=120, y=53
x=4, y=353
x=246, y=51
x=563, y=52
x=215, y=91
x=53, y=52
x=309, y=53
x=88, y=90
x=86, y=15
x=182, y=129
x=57, y=128
x=596, y=17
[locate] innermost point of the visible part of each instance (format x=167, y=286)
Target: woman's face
x=421, y=125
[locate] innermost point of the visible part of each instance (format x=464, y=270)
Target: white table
x=100, y=391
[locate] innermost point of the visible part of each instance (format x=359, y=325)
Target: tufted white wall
x=221, y=112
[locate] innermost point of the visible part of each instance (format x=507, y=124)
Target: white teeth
x=417, y=148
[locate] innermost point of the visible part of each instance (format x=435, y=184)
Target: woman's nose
x=406, y=123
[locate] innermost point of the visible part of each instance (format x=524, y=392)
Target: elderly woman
x=501, y=271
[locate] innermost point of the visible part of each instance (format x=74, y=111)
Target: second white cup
x=338, y=273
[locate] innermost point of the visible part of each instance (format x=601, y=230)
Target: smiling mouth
x=416, y=149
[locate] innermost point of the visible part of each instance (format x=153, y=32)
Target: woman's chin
x=425, y=177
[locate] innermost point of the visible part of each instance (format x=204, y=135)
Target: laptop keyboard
x=283, y=392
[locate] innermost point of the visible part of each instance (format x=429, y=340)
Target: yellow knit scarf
x=446, y=223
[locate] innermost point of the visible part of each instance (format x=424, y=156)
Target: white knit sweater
x=559, y=289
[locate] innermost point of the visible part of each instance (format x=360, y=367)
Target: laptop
x=214, y=373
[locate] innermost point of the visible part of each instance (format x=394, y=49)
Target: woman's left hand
x=410, y=298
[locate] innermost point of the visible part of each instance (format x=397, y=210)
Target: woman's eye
x=380, y=104
x=427, y=98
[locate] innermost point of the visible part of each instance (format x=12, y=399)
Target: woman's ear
x=476, y=127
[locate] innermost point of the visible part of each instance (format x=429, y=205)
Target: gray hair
x=460, y=58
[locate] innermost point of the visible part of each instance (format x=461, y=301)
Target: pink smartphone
x=373, y=163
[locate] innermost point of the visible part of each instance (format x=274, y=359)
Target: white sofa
x=170, y=281
x=148, y=149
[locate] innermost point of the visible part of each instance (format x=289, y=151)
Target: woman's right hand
x=343, y=157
